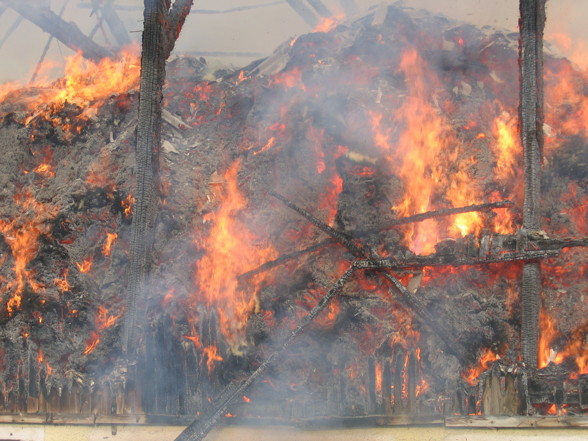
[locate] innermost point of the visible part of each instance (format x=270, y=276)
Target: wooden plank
x=507, y=422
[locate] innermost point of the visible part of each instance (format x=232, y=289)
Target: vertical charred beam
x=411, y=386
x=304, y=11
x=66, y=32
x=398, y=378
x=386, y=388
x=146, y=163
x=320, y=8
x=372, y=395
x=532, y=23
x=157, y=45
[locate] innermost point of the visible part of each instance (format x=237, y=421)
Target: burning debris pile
x=356, y=128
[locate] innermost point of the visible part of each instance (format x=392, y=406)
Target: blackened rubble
x=300, y=123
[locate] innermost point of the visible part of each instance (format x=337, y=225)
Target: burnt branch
x=176, y=18
x=405, y=297
x=201, y=427
x=448, y=212
x=304, y=12
x=66, y=32
x=285, y=258
x=115, y=24
x=342, y=238
x=452, y=260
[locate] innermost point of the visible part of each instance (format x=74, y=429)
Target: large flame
x=231, y=249
x=22, y=236
x=425, y=157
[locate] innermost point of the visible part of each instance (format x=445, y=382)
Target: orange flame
x=62, y=284
x=487, y=357
x=422, y=154
x=102, y=321
x=88, y=84
x=22, y=235
x=231, y=250
x=110, y=239
x=329, y=23
x=212, y=356
x=85, y=266
x=127, y=205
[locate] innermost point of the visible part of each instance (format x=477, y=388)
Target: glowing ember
x=85, y=266
x=127, y=205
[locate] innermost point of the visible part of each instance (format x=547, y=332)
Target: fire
x=487, y=357
x=246, y=399
x=422, y=154
x=127, y=205
x=85, y=266
x=102, y=321
x=329, y=23
x=107, y=247
x=576, y=347
x=41, y=360
x=22, y=235
x=88, y=84
x=231, y=250
x=212, y=356
x=45, y=170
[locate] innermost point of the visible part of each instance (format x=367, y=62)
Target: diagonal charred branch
x=320, y=8
x=304, y=11
x=406, y=297
x=340, y=237
x=154, y=53
x=115, y=24
x=200, y=428
x=68, y=33
x=285, y=258
x=532, y=24
x=448, y=212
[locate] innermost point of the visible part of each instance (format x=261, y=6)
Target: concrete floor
x=153, y=433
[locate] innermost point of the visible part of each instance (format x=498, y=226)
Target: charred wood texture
x=201, y=427
x=68, y=33
x=532, y=23
x=406, y=297
x=158, y=41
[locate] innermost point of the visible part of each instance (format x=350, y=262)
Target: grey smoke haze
x=258, y=30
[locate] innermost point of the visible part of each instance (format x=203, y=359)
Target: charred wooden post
x=66, y=32
x=411, y=382
x=398, y=378
x=532, y=23
x=386, y=388
x=158, y=42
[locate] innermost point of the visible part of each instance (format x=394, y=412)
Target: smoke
x=238, y=31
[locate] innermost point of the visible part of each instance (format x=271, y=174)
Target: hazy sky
x=257, y=30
